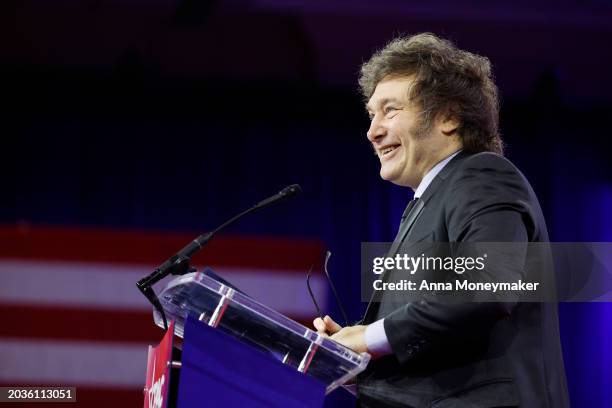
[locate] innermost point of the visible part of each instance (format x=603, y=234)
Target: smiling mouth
x=387, y=150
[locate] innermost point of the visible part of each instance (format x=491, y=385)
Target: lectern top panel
x=224, y=307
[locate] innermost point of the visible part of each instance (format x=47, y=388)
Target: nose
x=376, y=130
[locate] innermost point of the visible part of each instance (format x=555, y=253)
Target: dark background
x=174, y=115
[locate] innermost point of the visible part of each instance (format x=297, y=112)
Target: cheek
x=401, y=130
x=414, y=153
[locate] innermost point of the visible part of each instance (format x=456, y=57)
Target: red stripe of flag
x=82, y=324
x=69, y=323
x=143, y=247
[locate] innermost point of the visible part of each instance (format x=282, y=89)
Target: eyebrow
x=381, y=102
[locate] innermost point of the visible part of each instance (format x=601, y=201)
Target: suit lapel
x=437, y=182
x=404, y=229
x=406, y=226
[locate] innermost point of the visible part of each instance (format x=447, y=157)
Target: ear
x=448, y=124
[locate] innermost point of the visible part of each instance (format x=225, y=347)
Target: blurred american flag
x=72, y=315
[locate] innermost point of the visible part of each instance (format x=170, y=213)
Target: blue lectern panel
x=220, y=371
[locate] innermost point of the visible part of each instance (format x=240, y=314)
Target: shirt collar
x=431, y=174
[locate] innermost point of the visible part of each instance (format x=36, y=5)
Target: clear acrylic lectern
x=227, y=309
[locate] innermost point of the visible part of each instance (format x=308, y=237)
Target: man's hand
x=352, y=337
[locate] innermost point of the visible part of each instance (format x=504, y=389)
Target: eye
x=390, y=109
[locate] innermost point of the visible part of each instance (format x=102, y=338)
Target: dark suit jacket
x=471, y=354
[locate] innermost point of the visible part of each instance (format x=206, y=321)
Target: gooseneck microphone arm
x=178, y=264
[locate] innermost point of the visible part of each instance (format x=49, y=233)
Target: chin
x=392, y=171
x=389, y=176
x=395, y=178
x=385, y=175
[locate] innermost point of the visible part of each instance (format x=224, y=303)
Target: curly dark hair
x=448, y=81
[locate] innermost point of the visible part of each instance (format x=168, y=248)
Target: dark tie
x=409, y=208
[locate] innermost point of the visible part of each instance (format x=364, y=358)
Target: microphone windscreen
x=291, y=190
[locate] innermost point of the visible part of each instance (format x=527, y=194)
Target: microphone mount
x=179, y=263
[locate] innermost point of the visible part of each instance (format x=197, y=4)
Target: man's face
x=406, y=151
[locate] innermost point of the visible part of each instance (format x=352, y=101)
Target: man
x=434, y=118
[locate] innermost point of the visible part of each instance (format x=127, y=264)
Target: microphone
x=285, y=193
x=178, y=264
